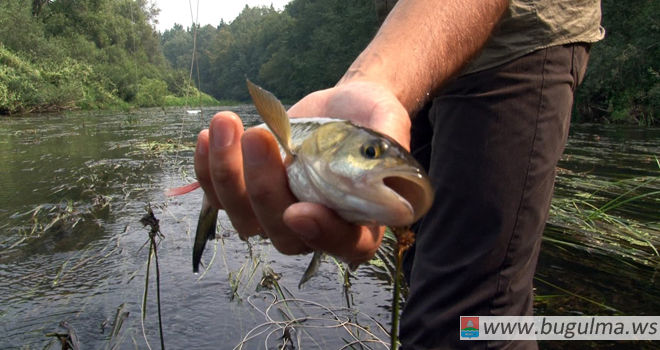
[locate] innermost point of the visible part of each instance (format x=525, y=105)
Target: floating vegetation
x=168, y=146
x=116, y=335
x=603, y=234
x=246, y=280
x=600, y=216
x=69, y=340
x=291, y=322
x=58, y=219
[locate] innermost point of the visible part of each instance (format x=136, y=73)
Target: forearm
x=422, y=43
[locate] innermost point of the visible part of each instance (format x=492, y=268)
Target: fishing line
x=194, y=59
x=137, y=84
x=194, y=18
x=334, y=320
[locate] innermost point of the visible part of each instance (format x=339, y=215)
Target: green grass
x=601, y=218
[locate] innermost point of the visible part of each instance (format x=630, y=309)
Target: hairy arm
x=422, y=43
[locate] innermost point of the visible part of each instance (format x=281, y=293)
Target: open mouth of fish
x=410, y=194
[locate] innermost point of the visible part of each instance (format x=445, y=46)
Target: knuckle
x=262, y=193
x=224, y=175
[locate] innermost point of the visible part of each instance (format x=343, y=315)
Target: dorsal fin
x=274, y=115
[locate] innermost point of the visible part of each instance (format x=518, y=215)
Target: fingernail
x=307, y=229
x=221, y=133
x=255, y=150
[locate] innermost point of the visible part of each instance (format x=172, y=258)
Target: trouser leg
x=496, y=138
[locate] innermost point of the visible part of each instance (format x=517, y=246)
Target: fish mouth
x=412, y=191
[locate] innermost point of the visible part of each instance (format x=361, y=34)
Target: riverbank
x=28, y=86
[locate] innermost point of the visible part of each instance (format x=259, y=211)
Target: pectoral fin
x=206, y=224
x=274, y=115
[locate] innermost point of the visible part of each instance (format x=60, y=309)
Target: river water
x=74, y=186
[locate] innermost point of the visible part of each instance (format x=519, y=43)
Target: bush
x=622, y=84
x=151, y=93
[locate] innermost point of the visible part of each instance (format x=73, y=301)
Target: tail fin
x=177, y=191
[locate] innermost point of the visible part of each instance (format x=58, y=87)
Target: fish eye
x=372, y=149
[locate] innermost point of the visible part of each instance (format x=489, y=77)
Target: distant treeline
x=69, y=54
x=101, y=53
x=306, y=47
x=310, y=44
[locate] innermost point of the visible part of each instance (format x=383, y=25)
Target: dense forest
x=306, y=47
x=69, y=54
x=623, y=78
x=96, y=53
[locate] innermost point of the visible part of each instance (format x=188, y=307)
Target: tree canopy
x=623, y=78
x=306, y=47
x=309, y=45
x=99, y=53
x=82, y=54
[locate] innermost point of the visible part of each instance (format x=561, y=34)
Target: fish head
x=365, y=176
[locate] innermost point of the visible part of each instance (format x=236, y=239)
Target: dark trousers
x=490, y=141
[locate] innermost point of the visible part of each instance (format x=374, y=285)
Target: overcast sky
x=210, y=11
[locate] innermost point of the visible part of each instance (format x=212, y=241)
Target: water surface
x=74, y=186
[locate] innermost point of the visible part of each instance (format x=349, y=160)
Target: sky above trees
x=210, y=11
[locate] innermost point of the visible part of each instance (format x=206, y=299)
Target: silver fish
x=364, y=176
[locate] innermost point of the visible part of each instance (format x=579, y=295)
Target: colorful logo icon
x=469, y=326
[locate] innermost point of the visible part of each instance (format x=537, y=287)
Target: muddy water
x=74, y=186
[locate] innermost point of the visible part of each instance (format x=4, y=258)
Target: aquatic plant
x=69, y=340
x=593, y=214
x=149, y=219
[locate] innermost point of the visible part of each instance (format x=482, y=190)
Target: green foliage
x=306, y=47
x=105, y=53
x=40, y=86
x=70, y=54
x=309, y=45
x=623, y=80
x=151, y=92
x=177, y=46
x=323, y=39
x=195, y=100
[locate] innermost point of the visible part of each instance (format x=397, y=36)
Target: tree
x=80, y=53
x=623, y=80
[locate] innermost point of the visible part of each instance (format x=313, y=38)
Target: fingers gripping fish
x=366, y=177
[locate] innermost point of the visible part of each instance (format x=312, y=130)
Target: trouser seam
x=526, y=183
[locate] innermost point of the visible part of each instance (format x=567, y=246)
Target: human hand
x=364, y=103
x=248, y=180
